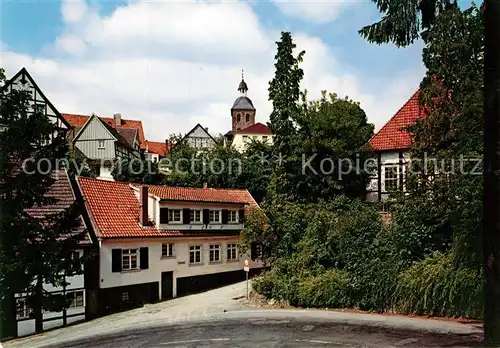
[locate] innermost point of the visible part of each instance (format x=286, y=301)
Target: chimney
x=118, y=119
x=205, y=185
x=143, y=206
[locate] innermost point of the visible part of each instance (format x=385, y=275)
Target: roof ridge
x=395, y=114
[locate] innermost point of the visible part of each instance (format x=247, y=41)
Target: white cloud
x=175, y=64
x=73, y=11
x=315, y=11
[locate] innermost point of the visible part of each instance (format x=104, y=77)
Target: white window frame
x=232, y=252
x=231, y=214
x=169, y=248
x=74, y=300
x=211, y=216
x=172, y=215
x=26, y=311
x=99, y=142
x=196, y=249
x=196, y=216
x=391, y=179
x=129, y=254
x=215, y=250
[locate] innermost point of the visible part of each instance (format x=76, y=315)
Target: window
x=256, y=250
x=174, y=215
x=232, y=252
x=245, y=138
x=76, y=299
x=214, y=253
x=238, y=118
x=167, y=250
x=195, y=216
x=215, y=216
x=232, y=216
x=264, y=138
x=391, y=179
x=129, y=259
x=22, y=309
x=100, y=144
x=195, y=254
x=247, y=117
x=254, y=137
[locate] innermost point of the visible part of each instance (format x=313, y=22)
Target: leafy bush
x=434, y=287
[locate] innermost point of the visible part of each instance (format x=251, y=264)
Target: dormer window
x=174, y=215
x=195, y=216
x=232, y=216
x=215, y=216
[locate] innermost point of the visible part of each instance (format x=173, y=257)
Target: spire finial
x=242, y=76
x=243, y=88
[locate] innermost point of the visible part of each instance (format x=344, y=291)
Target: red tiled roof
x=258, y=128
x=62, y=193
x=79, y=121
x=207, y=195
x=393, y=135
x=157, y=147
x=115, y=207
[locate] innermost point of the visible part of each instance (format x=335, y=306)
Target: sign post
x=246, y=268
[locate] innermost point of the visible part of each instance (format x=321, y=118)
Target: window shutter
x=224, y=216
x=186, y=215
x=116, y=260
x=253, y=250
x=163, y=215
x=144, y=258
x=242, y=216
x=206, y=218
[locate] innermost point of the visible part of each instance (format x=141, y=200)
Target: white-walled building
x=241, y=138
x=391, y=145
x=154, y=151
x=158, y=242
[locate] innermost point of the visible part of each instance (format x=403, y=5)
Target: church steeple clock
x=243, y=111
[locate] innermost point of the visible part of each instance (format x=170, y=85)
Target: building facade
x=103, y=144
x=391, y=145
x=159, y=242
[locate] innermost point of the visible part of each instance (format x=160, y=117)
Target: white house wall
x=240, y=144
x=36, y=99
x=179, y=264
x=76, y=283
x=386, y=158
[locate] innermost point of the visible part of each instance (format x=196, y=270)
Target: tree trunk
x=37, y=308
x=491, y=237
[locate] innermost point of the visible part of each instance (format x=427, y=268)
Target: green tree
x=138, y=171
x=402, y=24
x=332, y=133
x=33, y=250
x=285, y=95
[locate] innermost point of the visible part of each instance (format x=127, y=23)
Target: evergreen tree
x=33, y=250
x=284, y=92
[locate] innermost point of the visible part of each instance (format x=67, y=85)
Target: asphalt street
x=222, y=318
x=263, y=332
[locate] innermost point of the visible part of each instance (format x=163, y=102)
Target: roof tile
x=393, y=135
x=115, y=207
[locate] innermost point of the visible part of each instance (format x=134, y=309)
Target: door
x=167, y=285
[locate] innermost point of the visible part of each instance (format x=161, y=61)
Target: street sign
x=246, y=268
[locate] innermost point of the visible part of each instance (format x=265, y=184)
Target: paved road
x=219, y=318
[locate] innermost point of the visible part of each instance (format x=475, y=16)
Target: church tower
x=243, y=111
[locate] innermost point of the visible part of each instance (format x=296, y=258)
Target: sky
x=173, y=64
